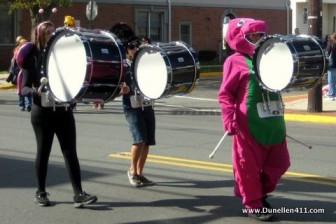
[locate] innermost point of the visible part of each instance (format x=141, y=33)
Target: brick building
x=196, y=22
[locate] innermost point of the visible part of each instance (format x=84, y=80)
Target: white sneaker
x=329, y=98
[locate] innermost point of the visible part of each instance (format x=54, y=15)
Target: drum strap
x=48, y=101
x=138, y=101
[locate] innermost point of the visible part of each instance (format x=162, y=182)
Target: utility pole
x=315, y=28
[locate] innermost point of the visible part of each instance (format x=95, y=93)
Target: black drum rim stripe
x=114, y=38
x=196, y=73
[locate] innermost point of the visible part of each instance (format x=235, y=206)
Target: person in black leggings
x=48, y=121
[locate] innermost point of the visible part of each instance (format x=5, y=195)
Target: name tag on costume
x=270, y=109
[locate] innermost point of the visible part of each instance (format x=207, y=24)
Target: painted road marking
x=227, y=168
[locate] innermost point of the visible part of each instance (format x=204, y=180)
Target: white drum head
x=151, y=74
x=276, y=66
x=66, y=67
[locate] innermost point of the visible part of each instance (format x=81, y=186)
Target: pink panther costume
x=254, y=116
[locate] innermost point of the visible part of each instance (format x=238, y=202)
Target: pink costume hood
x=238, y=28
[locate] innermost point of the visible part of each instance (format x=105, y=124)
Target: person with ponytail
x=49, y=121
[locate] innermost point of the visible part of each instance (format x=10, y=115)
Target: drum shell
x=304, y=56
x=96, y=69
x=180, y=69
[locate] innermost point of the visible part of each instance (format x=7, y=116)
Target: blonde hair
x=332, y=38
x=69, y=21
x=19, y=42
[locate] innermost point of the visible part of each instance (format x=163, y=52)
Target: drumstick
x=308, y=146
x=217, y=146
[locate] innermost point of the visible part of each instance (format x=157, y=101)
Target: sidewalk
x=296, y=103
x=3, y=83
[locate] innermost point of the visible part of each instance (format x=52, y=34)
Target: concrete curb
x=310, y=118
x=7, y=86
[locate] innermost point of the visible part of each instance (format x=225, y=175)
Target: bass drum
x=165, y=69
x=287, y=62
x=83, y=65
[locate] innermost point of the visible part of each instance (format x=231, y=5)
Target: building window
x=6, y=24
x=152, y=23
x=185, y=33
x=305, y=15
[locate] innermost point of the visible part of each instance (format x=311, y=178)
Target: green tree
x=39, y=10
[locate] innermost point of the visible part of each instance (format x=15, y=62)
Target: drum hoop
x=79, y=32
x=121, y=56
x=148, y=48
x=159, y=47
x=45, y=55
x=196, y=63
x=256, y=58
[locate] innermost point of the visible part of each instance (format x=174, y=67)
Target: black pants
x=46, y=123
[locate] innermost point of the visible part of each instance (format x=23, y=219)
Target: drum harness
x=269, y=108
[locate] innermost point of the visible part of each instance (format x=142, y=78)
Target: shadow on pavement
x=20, y=173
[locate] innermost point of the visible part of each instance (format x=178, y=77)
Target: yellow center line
x=187, y=163
x=220, y=167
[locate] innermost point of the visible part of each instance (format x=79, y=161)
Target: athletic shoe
x=134, y=179
x=328, y=98
x=261, y=216
x=145, y=181
x=84, y=199
x=41, y=198
x=265, y=202
x=100, y=106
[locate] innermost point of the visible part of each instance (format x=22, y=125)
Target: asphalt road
x=191, y=188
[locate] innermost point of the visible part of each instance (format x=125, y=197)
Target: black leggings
x=46, y=123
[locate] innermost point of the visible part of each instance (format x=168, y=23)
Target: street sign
x=91, y=10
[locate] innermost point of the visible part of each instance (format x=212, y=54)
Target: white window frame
x=189, y=38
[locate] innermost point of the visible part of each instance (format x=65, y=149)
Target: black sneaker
x=145, y=181
x=84, y=199
x=41, y=198
x=134, y=179
x=265, y=203
x=261, y=216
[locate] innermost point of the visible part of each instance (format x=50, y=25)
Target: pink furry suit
x=259, y=150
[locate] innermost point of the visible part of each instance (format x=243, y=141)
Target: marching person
x=254, y=117
x=48, y=121
x=138, y=111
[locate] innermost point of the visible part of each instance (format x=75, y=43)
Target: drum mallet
x=43, y=81
x=295, y=140
x=217, y=146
